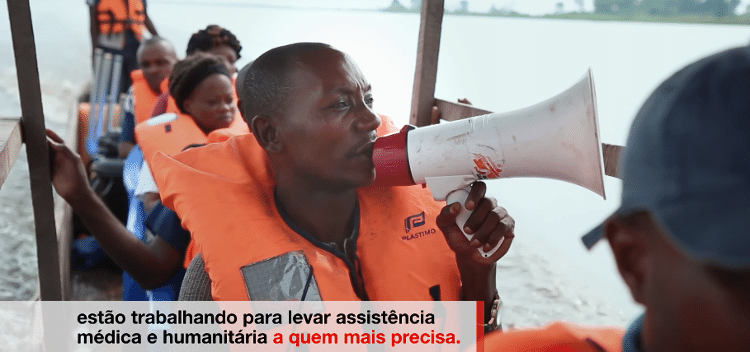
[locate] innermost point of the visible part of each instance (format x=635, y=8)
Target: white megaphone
x=557, y=139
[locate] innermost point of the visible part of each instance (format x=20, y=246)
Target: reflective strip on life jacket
x=114, y=16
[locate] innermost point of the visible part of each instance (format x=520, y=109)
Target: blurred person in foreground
x=680, y=237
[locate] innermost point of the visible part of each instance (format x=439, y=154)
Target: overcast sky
x=533, y=7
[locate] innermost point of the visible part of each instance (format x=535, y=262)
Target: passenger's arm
x=489, y=224
x=150, y=265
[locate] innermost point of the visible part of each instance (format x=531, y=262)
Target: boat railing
x=30, y=129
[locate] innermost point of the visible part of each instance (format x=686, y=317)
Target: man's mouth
x=366, y=149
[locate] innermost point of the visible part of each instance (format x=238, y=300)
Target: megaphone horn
x=556, y=139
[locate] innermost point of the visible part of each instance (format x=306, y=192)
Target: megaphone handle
x=460, y=196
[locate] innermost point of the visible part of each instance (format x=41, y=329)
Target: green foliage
x=397, y=7
x=645, y=17
x=718, y=8
x=664, y=11
x=613, y=6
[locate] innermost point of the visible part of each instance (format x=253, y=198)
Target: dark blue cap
x=687, y=160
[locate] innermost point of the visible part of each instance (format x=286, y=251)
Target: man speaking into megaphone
x=555, y=139
x=301, y=183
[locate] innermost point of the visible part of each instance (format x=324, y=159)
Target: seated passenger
x=202, y=86
x=218, y=41
x=202, y=90
x=304, y=198
x=156, y=57
x=680, y=236
x=212, y=40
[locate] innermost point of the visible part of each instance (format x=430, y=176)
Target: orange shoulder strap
x=557, y=337
x=145, y=98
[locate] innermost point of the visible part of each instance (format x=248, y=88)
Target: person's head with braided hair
x=201, y=86
x=218, y=41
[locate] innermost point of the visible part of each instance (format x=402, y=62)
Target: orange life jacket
x=557, y=337
x=189, y=134
x=144, y=97
x=115, y=16
x=224, y=195
x=171, y=133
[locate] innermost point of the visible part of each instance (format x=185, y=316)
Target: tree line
x=718, y=8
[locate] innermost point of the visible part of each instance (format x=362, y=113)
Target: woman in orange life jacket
x=202, y=87
x=202, y=90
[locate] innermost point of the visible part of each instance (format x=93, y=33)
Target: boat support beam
x=33, y=131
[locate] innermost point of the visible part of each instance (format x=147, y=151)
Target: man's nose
x=367, y=120
x=150, y=69
x=227, y=106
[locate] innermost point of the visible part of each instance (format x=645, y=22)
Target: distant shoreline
x=642, y=17
x=590, y=16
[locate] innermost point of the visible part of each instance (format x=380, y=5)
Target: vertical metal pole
x=97, y=111
x=114, y=92
x=423, y=95
x=36, y=149
x=98, y=54
x=93, y=95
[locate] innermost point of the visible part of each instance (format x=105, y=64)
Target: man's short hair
x=153, y=41
x=266, y=84
x=238, y=84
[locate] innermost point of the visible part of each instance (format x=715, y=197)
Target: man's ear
x=630, y=251
x=265, y=130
